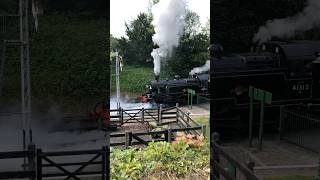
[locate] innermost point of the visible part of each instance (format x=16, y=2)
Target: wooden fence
x=28, y=169
x=160, y=116
x=39, y=161
x=226, y=167
x=122, y=116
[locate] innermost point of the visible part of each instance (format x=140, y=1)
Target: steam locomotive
x=290, y=70
x=170, y=92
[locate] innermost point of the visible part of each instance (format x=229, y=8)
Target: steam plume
x=287, y=27
x=201, y=69
x=168, y=24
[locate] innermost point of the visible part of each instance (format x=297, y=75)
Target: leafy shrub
x=158, y=157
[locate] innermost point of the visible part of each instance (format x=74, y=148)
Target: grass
x=133, y=79
x=204, y=120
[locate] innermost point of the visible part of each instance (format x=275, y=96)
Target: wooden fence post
x=39, y=164
x=31, y=159
x=128, y=136
x=121, y=116
x=250, y=165
x=166, y=135
x=203, y=129
x=177, y=106
x=107, y=159
x=142, y=114
x=169, y=135
x=160, y=114
x=103, y=165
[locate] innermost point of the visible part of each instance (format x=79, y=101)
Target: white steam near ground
x=47, y=133
x=47, y=136
x=168, y=22
x=288, y=27
x=125, y=104
x=199, y=70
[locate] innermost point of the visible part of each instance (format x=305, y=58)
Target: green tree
x=114, y=43
x=192, y=50
x=137, y=48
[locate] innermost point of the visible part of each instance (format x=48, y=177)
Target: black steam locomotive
x=170, y=92
x=289, y=70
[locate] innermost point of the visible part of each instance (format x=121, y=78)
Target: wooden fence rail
x=39, y=161
x=229, y=173
x=167, y=136
x=160, y=116
x=29, y=170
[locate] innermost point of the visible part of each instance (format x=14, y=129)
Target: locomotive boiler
x=288, y=69
x=170, y=92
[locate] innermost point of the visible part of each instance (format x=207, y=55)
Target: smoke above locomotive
x=288, y=27
x=168, y=22
x=202, y=69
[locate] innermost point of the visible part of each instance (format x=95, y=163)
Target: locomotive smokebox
x=157, y=77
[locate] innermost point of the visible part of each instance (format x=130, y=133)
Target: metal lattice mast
x=24, y=43
x=118, y=79
x=25, y=64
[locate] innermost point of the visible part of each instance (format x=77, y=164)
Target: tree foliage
x=191, y=52
x=137, y=48
x=68, y=60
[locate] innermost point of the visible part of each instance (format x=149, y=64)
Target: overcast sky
x=126, y=10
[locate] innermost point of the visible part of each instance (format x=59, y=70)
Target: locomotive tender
x=290, y=70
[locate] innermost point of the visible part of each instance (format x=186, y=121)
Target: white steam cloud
x=204, y=68
x=128, y=105
x=168, y=22
x=287, y=27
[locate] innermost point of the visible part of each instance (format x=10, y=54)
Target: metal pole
x=261, y=121
x=251, y=120
x=22, y=67
x=3, y=60
x=25, y=65
x=188, y=100
x=27, y=69
x=280, y=122
x=191, y=96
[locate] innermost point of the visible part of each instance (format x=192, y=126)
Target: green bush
x=67, y=59
x=157, y=157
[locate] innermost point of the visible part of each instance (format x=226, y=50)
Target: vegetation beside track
x=162, y=160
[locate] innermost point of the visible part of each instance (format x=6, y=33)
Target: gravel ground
x=277, y=158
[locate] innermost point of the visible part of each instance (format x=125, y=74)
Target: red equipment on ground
x=143, y=99
x=101, y=115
